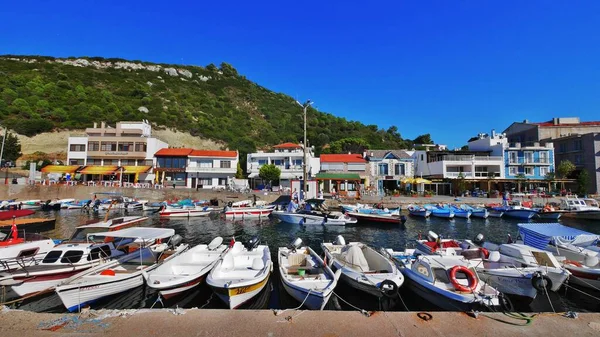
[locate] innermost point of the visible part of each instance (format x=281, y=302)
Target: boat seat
x=296, y=260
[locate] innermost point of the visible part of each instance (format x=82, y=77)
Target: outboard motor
x=402, y=219
x=432, y=236
x=252, y=243
x=175, y=241
x=479, y=239
x=510, y=240
x=295, y=244
x=339, y=240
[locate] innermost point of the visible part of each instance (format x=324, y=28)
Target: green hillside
x=39, y=94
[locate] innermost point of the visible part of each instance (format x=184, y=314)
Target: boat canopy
x=144, y=233
x=539, y=235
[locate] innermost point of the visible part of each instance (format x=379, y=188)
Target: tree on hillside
x=564, y=169
x=583, y=180
x=269, y=173
x=239, y=174
x=348, y=145
x=423, y=139
x=12, y=147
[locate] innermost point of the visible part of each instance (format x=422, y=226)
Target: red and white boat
x=71, y=257
x=247, y=212
x=18, y=250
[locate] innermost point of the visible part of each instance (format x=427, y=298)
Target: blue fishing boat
x=440, y=212
x=516, y=210
x=460, y=212
x=418, y=211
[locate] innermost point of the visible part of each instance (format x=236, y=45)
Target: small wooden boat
x=418, y=211
x=379, y=218
x=242, y=273
x=187, y=270
x=122, y=274
x=15, y=213
x=305, y=276
x=363, y=268
x=185, y=212
x=31, y=224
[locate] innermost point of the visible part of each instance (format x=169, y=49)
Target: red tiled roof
x=179, y=152
x=288, y=146
x=551, y=123
x=342, y=158
x=213, y=153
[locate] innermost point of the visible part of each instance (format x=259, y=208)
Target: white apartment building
x=209, y=169
x=289, y=157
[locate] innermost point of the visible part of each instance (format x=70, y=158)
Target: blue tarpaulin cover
x=539, y=235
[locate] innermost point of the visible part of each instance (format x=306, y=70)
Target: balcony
x=529, y=161
x=210, y=169
x=470, y=175
x=471, y=158
x=254, y=167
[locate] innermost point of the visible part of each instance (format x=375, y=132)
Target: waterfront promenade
x=214, y=323
x=45, y=192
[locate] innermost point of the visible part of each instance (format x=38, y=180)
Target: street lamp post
x=304, y=164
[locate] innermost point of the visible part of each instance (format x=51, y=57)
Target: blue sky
x=449, y=68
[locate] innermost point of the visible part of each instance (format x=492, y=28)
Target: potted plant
x=427, y=193
x=413, y=194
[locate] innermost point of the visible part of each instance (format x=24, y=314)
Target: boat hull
x=76, y=296
x=305, y=219
x=249, y=213
x=238, y=295
x=420, y=213
x=482, y=214
x=316, y=300
x=362, y=217
x=183, y=213
x=520, y=213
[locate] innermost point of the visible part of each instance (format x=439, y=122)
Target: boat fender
x=471, y=278
x=388, y=288
x=541, y=282
x=484, y=253
x=574, y=263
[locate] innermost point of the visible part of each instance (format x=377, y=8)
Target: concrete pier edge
x=217, y=322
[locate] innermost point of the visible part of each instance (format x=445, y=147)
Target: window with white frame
x=278, y=162
x=383, y=169
x=225, y=164
x=205, y=163
x=222, y=181
x=543, y=171
x=544, y=158
x=399, y=169
x=528, y=170
x=513, y=171
x=528, y=156
x=205, y=181
x=512, y=157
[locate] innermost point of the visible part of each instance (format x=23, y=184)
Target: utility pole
x=304, y=162
x=1, y=154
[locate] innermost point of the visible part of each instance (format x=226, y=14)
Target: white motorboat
x=251, y=212
x=586, y=208
x=152, y=206
x=19, y=249
x=448, y=281
x=310, y=218
x=122, y=274
x=305, y=276
x=185, y=212
x=70, y=257
x=242, y=273
x=510, y=268
x=575, y=250
x=363, y=268
x=187, y=270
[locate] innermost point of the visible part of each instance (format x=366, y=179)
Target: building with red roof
x=342, y=174
x=192, y=168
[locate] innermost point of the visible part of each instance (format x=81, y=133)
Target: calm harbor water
x=204, y=229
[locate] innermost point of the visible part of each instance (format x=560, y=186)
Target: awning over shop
x=93, y=169
x=337, y=176
x=135, y=169
x=60, y=168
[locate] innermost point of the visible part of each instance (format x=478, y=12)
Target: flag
x=13, y=229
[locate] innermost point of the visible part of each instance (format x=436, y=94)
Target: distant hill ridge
x=40, y=94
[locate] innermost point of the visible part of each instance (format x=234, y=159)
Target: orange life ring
x=484, y=252
x=575, y=263
x=473, y=281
